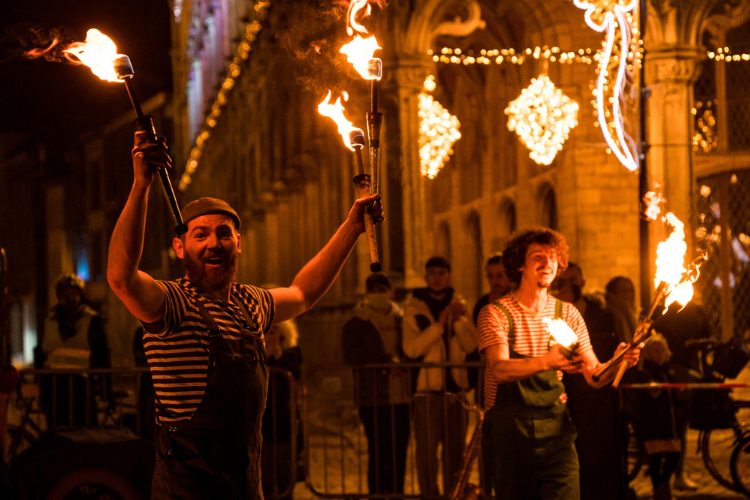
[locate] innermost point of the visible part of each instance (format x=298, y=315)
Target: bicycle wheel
x=92, y=484
x=715, y=448
x=716, y=444
x=740, y=466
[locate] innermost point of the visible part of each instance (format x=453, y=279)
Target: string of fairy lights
x=449, y=55
x=242, y=53
x=542, y=116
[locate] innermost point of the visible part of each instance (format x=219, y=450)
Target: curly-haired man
x=528, y=431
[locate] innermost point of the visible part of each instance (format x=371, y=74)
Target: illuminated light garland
x=438, y=131
x=487, y=57
x=177, y=10
x=725, y=54
x=705, y=138
x=252, y=28
x=605, y=16
x=499, y=56
x=542, y=116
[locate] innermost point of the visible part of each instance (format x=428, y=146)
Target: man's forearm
x=511, y=370
x=317, y=275
x=126, y=244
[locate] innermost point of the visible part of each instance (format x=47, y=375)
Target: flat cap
x=205, y=206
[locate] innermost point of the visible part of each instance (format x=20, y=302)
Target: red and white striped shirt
x=531, y=337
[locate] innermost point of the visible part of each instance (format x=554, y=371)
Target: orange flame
x=98, y=52
x=34, y=53
x=351, y=16
x=359, y=53
x=652, y=201
x=335, y=112
x=670, y=268
x=561, y=332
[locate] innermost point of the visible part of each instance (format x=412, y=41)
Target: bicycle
x=720, y=420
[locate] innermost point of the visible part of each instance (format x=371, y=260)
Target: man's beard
x=216, y=279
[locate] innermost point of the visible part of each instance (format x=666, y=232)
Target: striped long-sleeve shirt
x=178, y=355
x=531, y=337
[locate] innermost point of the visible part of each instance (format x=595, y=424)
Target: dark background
x=56, y=101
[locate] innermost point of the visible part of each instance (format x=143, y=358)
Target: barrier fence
x=346, y=432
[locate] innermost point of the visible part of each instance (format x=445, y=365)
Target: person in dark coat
x=279, y=458
x=661, y=413
x=602, y=431
x=382, y=394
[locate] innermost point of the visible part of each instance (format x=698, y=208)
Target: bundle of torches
x=359, y=53
x=674, y=283
x=99, y=53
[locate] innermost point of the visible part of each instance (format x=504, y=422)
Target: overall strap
x=207, y=318
x=241, y=304
x=511, y=333
x=558, y=308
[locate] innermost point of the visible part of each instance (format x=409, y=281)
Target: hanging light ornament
x=605, y=16
x=438, y=131
x=542, y=116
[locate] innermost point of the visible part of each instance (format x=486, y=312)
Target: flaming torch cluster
x=99, y=53
x=674, y=282
x=359, y=53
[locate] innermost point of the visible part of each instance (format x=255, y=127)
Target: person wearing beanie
x=204, y=334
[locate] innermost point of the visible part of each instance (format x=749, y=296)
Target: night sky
x=56, y=101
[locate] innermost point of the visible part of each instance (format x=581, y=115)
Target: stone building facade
x=248, y=131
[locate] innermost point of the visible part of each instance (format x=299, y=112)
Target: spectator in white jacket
x=437, y=328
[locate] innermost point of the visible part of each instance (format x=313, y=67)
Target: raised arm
x=136, y=289
x=312, y=282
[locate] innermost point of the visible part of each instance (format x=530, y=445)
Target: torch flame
x=98, y=52
x=335, y=112
x=351, y=16
x=670, y=256
x=652, y=201
x=359, y=53
x=561, y=332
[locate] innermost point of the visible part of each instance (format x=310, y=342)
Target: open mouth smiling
x=214, y=261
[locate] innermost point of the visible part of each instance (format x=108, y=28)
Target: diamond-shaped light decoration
x=542, y=116
x=438, y=131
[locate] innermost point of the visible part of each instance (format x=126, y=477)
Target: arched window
x=475, y=255
x=443, y=241
x=549, y=209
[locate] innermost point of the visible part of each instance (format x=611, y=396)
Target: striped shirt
x=531, y=337
x=178, y=355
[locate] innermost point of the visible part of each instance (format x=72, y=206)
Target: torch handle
x=374, y=123
x=146, y=123
x=620, y=373
x=362, y=185
x=641, y=333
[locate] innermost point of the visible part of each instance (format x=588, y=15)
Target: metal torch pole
x=641, y=333
x=363, y=185
x=124, y=70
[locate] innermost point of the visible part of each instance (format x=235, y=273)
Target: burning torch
x=643, y=331
x=674, y=282
x=359, y=53
x=100, y=54
x=354, y=139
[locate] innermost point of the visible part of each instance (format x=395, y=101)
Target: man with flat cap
x=203, y=335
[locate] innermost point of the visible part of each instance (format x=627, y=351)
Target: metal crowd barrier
x=337, y=401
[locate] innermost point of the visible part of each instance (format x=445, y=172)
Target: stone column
x=407, y=234
x=670, y=72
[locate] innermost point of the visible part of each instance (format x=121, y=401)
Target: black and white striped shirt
x=178, y=355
